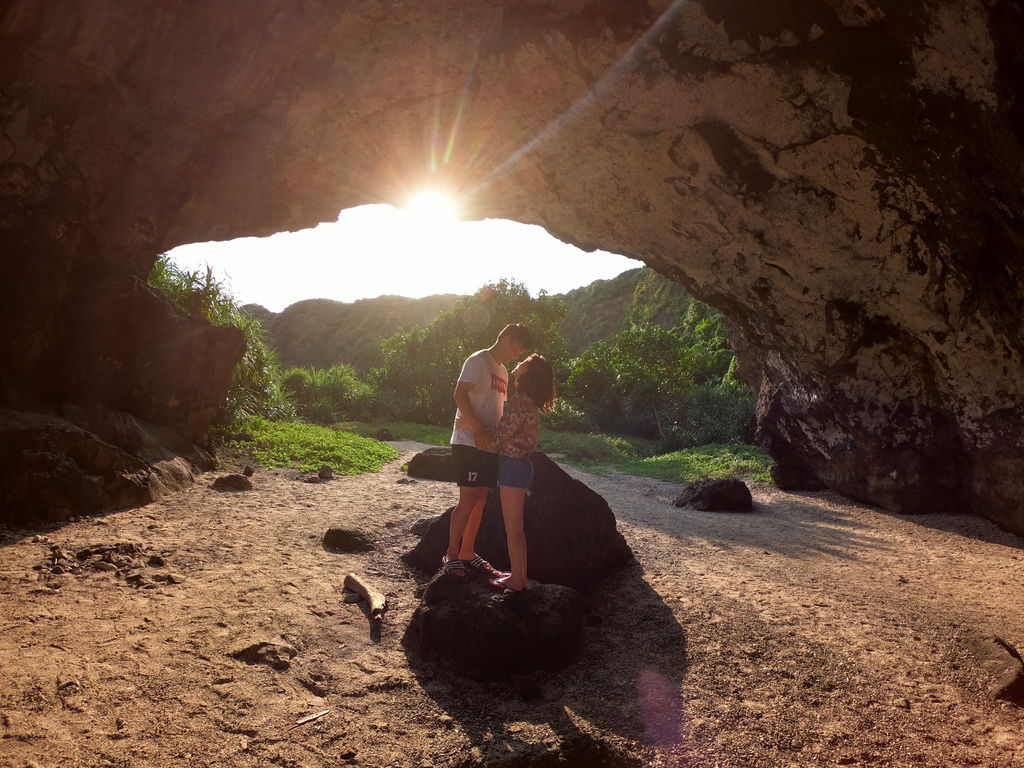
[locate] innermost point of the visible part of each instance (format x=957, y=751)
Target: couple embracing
x=491, y=446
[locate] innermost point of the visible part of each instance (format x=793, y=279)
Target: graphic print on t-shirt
x=498, y=383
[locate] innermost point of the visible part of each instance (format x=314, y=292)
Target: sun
x=433, y=206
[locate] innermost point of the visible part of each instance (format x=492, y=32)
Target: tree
x=634, y=377
x=676, y=385
x=421, y=365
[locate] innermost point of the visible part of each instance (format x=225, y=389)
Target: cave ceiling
x=842, y=178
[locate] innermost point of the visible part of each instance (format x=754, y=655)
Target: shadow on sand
x=801, y=523
x=620, y=697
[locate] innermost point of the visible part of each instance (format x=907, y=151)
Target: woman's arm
x=511, y=421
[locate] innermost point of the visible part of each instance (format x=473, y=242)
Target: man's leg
x=467, y=551
x=465, y=520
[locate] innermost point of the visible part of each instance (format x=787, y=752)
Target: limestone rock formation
x=842, y=178
x=86, y=461
x=570, y=532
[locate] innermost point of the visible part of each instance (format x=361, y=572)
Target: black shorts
x=475, y=468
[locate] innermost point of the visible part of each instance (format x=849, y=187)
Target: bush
x=566, y=417
x=722, y=413
x=328, y=396
x=255, y=388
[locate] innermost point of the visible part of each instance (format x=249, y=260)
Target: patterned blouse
x=516, y=435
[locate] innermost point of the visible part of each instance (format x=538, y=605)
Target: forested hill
x=320, y=333
x=605, y=307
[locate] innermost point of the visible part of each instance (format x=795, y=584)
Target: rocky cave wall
x=842, y=178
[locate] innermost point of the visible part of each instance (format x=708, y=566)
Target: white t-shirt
x=487, y=397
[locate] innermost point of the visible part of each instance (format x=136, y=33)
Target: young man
x=480, y=399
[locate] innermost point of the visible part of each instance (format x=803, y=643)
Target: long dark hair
x=537, y=382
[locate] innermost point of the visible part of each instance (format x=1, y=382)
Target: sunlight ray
x=600, y=88
x=460, y=110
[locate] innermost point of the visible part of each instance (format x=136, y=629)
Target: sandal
x=479, y=564
x=455, y=568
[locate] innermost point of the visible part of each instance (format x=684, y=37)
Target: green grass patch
x=594, y=451
x=716, y=460
x=599, y=453
x=308, y=447
x=402, y=430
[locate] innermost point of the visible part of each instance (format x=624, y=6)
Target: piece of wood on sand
x=308, y=719
x=374, y=599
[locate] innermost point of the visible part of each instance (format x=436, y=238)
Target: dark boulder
x=570, y=532
x=344, y=540
x=485, y=634
x=729, y=495
x=234, y=482
x=433, y=464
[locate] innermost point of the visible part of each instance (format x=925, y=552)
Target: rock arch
x=842, y=178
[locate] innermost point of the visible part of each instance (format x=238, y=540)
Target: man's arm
x=468, y=418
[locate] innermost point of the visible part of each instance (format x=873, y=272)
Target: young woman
x=516, y=437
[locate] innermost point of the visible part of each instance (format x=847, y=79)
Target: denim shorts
x=515, y=473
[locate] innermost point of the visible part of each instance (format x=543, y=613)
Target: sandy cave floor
x=815, y=632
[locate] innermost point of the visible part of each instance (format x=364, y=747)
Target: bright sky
x=376, y=249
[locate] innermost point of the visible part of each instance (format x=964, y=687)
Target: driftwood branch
x=373, y=598
x=308, y=719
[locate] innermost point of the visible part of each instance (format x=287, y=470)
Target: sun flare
x=431, y=205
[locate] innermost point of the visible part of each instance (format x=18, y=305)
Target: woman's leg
x=512, y=500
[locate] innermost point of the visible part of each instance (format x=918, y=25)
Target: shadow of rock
x=794, y=525
x=619, y=700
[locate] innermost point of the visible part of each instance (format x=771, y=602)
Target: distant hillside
x=605, y=307
x=319, y=333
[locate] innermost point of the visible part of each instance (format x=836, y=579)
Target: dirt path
x=815, y=632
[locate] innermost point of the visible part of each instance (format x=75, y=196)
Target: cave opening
x=422, y=248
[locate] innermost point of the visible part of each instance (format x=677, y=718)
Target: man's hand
x=484, y=439
x=482, y=436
